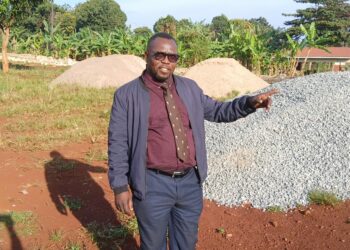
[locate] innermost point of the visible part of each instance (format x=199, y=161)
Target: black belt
x=175, y=174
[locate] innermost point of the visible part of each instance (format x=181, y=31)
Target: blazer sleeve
x=216, y=111
x=118, y=148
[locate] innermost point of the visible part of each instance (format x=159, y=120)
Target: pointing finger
x=272, y=92
x=269, y=103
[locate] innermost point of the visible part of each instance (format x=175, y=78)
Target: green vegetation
x=96, y=154
x=100, y=15
x=330, y=16
x=320, y=197
x=97, y=28
x=24, y=223
x=72, y=203
x=37, y=117
x=56, y=235
x=60, y=164
x=274, y=209
x=10, y=12
x=220, y=230
x=229, y=96
x=110, y=235
x=73, y=246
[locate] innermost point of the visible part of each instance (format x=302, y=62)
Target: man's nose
x=166, y=59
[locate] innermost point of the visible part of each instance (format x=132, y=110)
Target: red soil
x=30, y=181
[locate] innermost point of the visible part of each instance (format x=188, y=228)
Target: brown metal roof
x=335, y=52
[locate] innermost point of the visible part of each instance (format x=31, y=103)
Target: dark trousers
x=172, y=206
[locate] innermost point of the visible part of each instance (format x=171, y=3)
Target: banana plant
x=139, y=44
x=49, y=32
x=312, y=40
x=60, y=45
x=293, y=47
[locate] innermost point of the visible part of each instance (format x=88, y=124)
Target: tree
x=34, y=21
x=331, y=17
x=220, y=26
x=166, y=24
x=10, y=12
x=264, y=30
x=184, y=24
x=143, y=31
x=67, y=21
x=262, y=26
x=100, y=15
x=193, y=43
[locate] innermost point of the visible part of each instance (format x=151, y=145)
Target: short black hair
x=159, y=35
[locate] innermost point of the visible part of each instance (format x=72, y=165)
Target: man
x=157, y=155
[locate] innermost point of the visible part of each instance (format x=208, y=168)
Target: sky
x=147, y=12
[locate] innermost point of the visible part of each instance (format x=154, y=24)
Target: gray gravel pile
x=276, y=158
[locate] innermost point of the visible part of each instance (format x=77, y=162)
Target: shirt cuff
x=122, y=189
x=248, y=107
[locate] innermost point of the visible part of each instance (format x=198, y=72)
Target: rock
x=24, y=191
x=228, y=236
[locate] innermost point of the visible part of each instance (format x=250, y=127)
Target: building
x=336, y=59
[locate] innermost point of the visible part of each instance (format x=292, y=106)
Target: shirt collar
x=148, y=80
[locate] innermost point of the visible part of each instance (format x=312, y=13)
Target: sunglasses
x=160, y=56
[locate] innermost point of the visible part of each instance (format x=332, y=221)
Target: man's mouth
x=164, y=70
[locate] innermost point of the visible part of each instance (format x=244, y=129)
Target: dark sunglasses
x=160, y=56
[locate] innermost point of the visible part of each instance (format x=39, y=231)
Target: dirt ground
x=38, y=181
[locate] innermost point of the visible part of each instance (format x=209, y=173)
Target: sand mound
x=220, y=76
x=100, y=72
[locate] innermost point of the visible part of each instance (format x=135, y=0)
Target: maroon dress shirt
x=161, y=146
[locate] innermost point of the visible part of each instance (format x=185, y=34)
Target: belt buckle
x=176, y=173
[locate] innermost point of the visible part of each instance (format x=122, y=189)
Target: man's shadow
x=6, y=219
x=72, y=188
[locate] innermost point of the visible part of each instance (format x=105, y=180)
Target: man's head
x=161, y=56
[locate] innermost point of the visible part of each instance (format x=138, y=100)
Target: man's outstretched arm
x=238, y=108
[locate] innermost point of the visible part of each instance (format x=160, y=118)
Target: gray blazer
x=128, y=129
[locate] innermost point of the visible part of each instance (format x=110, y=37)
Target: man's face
x=159, y=66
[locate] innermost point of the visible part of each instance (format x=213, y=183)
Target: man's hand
x=123, y=202
x=262, y=100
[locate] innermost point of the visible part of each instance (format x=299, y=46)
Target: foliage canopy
x=100, y=15
x=331, y=17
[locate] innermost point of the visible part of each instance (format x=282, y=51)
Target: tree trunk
x=5, y=41
x=305, y=60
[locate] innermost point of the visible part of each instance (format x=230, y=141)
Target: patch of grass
x=220, y=230
x=24, y=223
x=95, y=154
x=106, y=234
x=229, y=96
x=132, y=226
x=274, y=209
x=56, y=235
x=72, y=203
x=105, y=114
x=73, y=246
x=38, y=117
x=320, y=197
x=60, y=164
